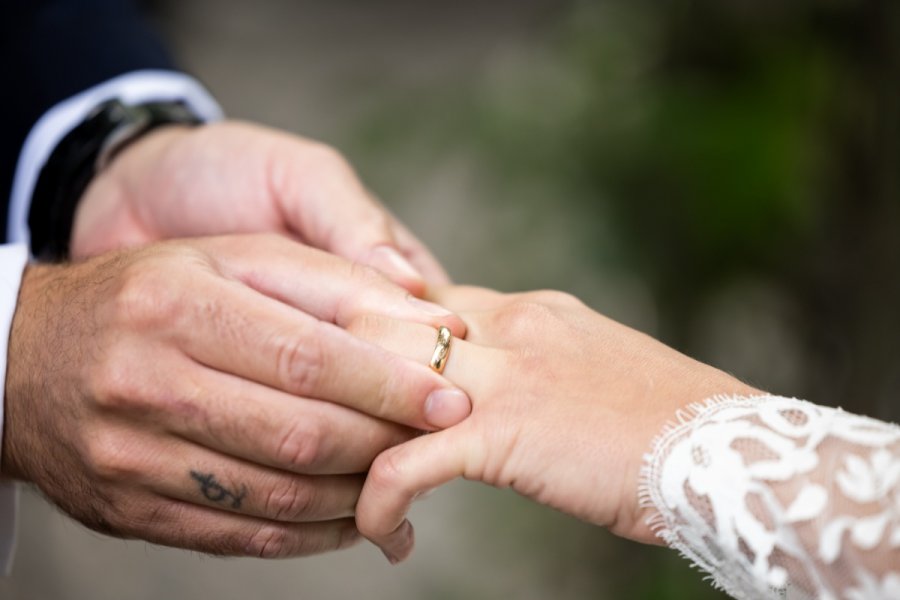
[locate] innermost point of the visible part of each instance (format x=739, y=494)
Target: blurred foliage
x=721, y=140
x=718, y=140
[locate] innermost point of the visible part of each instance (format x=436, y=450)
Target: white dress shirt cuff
x=137, y=87
x=12, y=262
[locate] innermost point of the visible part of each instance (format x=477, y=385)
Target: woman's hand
x=565, y=404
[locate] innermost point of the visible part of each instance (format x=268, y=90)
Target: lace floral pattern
x=780, y=498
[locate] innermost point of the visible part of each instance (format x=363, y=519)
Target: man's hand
x=235, y=177
x=175, y=393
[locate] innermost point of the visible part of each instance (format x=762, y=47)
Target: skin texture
x=233, y=177
x=203, y=394
x=155, y=399
x=565, y=404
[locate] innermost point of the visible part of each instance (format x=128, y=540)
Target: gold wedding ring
x=441, y=350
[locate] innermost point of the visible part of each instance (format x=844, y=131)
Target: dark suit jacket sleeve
x=53, y=49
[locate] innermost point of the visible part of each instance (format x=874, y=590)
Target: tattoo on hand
x=214, y=491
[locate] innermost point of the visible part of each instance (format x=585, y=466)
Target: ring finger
x=466, y=364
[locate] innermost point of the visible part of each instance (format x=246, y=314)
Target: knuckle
x=556, y=298
x=111, y=385
x=522, y=316
x=146, y=296
x=108, y=458
x=118, y=387
x=531, y=360
x=129, y=517
x=290, y=501
x=180, y=401
x=386, y=472
x=299, y=446
x=154, y=513
x=366, y=276
x=368, y=294
x=300, y=363
x=269, y=541
x=368, y=327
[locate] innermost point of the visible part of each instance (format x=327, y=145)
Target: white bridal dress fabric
x=779, y=498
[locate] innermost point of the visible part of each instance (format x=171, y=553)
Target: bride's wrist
x=697, y=384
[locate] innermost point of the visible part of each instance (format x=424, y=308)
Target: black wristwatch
x=79, y=157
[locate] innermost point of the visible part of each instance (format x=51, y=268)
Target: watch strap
x=79, y=156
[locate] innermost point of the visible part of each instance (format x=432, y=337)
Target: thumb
x=397, y=477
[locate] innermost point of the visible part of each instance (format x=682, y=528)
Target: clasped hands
x=265, y=394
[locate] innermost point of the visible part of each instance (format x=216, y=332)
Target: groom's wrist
x=80, y=156
x=107, y=202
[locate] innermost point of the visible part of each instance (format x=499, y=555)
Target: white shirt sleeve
x=779, y=498
x=12, y=262
x=132, y=88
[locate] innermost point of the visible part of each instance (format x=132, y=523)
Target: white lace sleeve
x=780, y=498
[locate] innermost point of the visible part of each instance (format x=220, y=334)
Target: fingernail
x=429, y=308
x=400, y=543
x=393, y=264
x=447, y=407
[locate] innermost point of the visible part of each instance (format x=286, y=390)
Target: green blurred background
x=723, y=174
